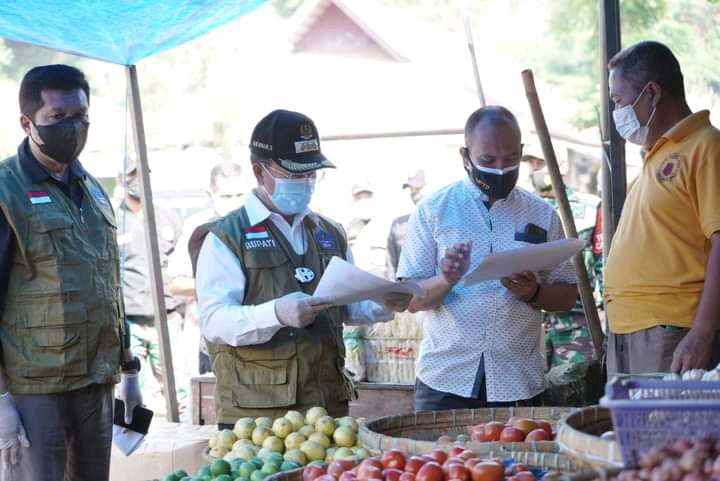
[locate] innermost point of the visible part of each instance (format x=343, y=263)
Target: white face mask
x=628, y=125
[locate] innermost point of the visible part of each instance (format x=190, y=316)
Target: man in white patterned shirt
x=482, y=344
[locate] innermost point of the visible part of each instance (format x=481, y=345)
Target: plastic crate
x=655, y=413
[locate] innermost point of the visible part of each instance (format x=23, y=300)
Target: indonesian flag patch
x=39, y=197
x=256, y=232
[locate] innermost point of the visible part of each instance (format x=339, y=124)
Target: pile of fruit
x=457, y=465
x=685, y=460
x=517, y=429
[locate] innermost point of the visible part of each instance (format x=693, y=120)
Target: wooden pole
x=614, y=178
x=586, y=295
x=473, y=57
x=151, y=243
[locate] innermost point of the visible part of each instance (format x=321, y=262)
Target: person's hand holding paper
x=343, y=283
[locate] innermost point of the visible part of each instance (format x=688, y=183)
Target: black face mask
x=495, y=183
x=64, y=140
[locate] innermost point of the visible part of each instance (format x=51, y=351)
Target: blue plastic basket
x=654, y=413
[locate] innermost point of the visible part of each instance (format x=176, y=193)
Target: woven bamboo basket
x=418, y=433
x=556, y=465
x=579, y=438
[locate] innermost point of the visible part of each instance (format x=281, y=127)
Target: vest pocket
x=55, y=339
x=51, y=234
x=261, y=383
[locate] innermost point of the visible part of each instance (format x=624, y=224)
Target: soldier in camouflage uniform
x=567, y=338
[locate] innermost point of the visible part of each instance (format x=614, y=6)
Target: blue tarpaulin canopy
x=117, y=31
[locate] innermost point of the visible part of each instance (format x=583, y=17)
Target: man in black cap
x=274, y=346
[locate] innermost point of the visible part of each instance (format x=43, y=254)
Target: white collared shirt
x=484, y=320
x=220, y=287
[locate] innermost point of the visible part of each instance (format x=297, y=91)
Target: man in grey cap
x=273, y=345
x=415, y=184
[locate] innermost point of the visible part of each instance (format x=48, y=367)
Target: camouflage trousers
x=567, y=339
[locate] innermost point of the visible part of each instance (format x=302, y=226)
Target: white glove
x=12, y=432
x=130, y=394
x=298, y=309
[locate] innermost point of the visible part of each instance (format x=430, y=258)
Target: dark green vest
x=61, y=328
x=297, y=368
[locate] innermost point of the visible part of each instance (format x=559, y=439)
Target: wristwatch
x=133, y=363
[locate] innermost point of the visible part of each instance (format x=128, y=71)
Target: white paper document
x=345, y=283
x=534, y=257
x=126, y=440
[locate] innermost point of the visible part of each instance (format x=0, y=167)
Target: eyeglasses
x=283, y=174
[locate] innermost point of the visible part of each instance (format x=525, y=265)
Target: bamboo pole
x=151, y=243
x=473, y=57
x=586, y=296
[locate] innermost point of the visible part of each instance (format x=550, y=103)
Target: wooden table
x=374, y=399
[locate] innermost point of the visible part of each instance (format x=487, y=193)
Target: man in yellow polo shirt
x=663, y=270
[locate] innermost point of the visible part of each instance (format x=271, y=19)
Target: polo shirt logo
x=669, y=167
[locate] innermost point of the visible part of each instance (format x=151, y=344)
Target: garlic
x=672, y=376
x=713, y=375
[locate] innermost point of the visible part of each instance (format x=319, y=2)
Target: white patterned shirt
x=485, y=320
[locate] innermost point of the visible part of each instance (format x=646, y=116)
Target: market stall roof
x=121, y=32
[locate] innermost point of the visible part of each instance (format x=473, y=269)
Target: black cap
x=290, y=139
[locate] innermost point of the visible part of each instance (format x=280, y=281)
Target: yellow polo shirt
x=656, y=266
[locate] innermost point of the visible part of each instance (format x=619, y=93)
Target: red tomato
x=538, y=435
x=407, y=476
x=413, y=464
x=337, y=468
x=430, y=471
x=493, y=430
x=545, y=426
x=325, y=477
x=518, y=468
x=455, y=451
x=525, y=425
x=369, y=471
x=472, y=462
x=510, y=435
x=525, y=476
x=439, y=456
x=393, y=459
x=348, y=476
x=458, y=471
x=467, y=454
x=392, y=474
x=488, y=471
x=312, y=472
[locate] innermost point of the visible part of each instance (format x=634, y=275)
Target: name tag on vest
x=258, y=237
x=325, y=240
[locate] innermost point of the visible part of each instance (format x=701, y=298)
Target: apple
x=460, y=472
x=336, y=468
x=348, y=421
x=512, y=435
x=488, y=471
x=407, y=476
x=311, y=472
x=392, y=474
x=430, y=471
x=538, y=435
x=369, y=472
x=413, y=464
x=525, y=425
x=393, y=459
x=306, y=430
x=470, y=463
x=263, y=421
x=343, y=453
